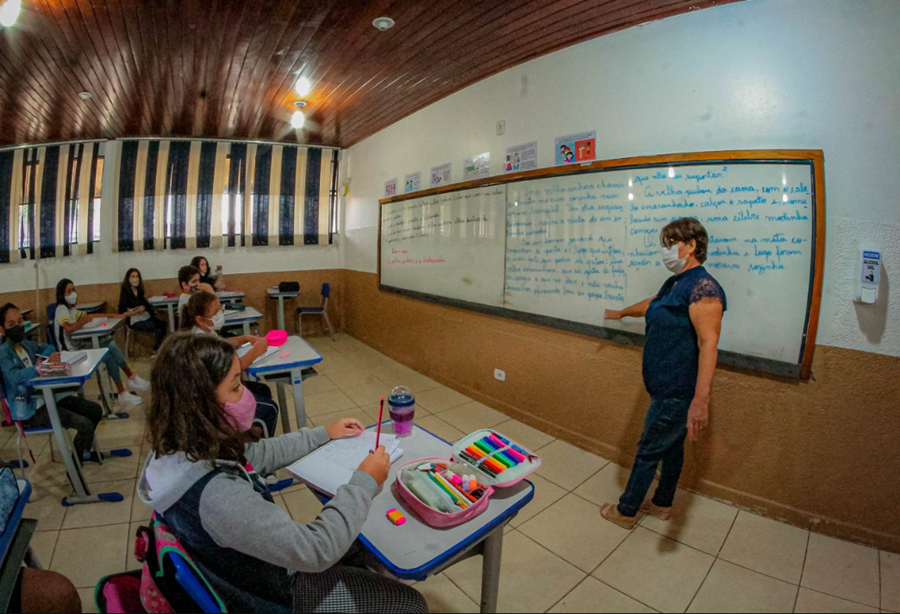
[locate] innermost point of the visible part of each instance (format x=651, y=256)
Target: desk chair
x=321, y=310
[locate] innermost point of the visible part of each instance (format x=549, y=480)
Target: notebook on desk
x=332, y=465
x=241, y=351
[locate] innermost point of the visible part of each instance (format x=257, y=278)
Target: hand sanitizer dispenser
x=869, y=276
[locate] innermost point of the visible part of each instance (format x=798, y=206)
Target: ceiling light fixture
x=303, y=87
x=298, y=119
x=383, y=23
x=9, y=13
x=85, y=95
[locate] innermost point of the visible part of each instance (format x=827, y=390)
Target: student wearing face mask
x=683, y=324
x=206, y=276
x=134, y=304
x=69, y=320
x=203, y=315
x=202, y=479
x=189, y=280
x=19, y=359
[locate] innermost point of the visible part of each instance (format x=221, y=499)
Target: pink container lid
x=277, y=338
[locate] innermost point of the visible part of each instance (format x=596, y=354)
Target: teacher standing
x=683, y=324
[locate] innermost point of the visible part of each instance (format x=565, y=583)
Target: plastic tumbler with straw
x=403, y=410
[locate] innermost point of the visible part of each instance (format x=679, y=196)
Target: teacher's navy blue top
x=671, y=353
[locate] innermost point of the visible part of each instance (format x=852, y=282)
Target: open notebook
x=332, y=465
x=246, y=348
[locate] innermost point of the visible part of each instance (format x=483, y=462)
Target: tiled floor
x=559, y=556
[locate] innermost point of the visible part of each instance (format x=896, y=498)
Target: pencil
x=378, y=433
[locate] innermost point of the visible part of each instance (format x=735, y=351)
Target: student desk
x=27, y=312
x=15, y=545
x=230, y=296
x=275, y=293
x=288, y=370
x=91, y=307
x=31, y=328
x=81, y=373
x=414, y=550
x=158, y=302
x=242, y=318
x=108, y=328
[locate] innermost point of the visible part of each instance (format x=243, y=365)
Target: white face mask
x=135, y=281
x=218, y=321
x=72, y=298
x=671, y=260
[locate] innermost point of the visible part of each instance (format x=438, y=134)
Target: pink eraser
x=286, y=354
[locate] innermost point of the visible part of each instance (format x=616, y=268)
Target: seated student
x=189, y=280
x=204, y=316
x=202, y=479
x=70, y=320
x=133, y=300
x=206, y=276
x=19, y=358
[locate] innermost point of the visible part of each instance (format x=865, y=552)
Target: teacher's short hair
x=684, y=230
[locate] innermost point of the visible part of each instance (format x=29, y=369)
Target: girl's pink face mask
x=240, y=415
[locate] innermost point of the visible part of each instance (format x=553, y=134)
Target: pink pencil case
x=460, y=464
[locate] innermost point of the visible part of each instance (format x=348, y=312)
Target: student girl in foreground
x=19, y=359
x=684, y=321
x=70, y=320
x=133, y=300
x=203, y=315
x=202, y=479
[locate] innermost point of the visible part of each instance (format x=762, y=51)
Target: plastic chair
x=321, y=310
x=59, y=344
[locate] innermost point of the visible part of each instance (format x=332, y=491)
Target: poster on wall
x=478, y=167
x=412, y=182
x=390, y=188
x=440, y=175
x=520, y=158
x=576, y=148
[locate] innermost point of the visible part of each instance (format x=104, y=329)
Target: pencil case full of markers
x=449, y=492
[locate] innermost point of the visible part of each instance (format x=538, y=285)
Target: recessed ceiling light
x=9, y=13
x=383, y=23
x=303, y=86
x=298, y=119
x=85, y=95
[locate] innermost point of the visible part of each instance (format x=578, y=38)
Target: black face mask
x=16, y=334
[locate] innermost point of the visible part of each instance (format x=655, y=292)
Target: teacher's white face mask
x=671, y=260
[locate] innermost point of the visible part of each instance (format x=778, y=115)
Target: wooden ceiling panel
x=226, y=68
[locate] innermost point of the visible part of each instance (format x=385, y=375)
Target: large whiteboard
x=572, y=246
x=449, y=245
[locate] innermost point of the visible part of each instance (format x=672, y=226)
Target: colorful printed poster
x=576, y=148
x=412, y=182
x=440, y=175
x=520, y=158
x=390, y=188
x=477, y=167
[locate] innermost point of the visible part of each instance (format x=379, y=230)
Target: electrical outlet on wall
x=499, y=375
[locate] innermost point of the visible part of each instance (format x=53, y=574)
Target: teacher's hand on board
x=612, y=314
x=698, y=419
x=377, y=465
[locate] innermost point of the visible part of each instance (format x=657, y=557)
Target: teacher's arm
x=638, y=310
x=706, y=316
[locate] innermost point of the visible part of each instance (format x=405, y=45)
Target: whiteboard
x=559, y=250
x=450, y=245
x=580, y=244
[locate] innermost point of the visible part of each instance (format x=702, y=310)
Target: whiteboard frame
x=815, y=159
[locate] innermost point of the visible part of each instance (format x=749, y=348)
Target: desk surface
x=80, y=372
x=162, y=301
x=230, y=294
x=91, y=307
x=248, y=315
x=108, y=327
x=415, y=550
x=302, y=354
x=275, y=293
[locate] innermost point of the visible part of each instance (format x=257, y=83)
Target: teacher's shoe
x=127, y=398
x=611, y=513
x=663, y=513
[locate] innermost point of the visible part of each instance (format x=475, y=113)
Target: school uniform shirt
x=67, y=315
x=227, y=520
x=671, y=353
x=182, y=302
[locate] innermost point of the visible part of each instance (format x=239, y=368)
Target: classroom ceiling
x=226, y=68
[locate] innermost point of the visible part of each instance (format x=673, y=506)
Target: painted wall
x=106, y=266
x=762, y=74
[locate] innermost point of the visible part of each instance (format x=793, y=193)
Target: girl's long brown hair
x=198, y=305
x=185, y=415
